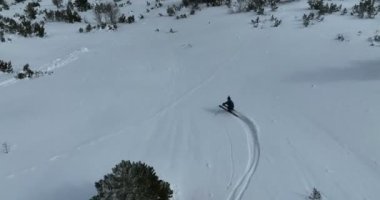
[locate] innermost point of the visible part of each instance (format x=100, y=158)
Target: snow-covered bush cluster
x=31, y=10
x=5, y=147
x=310, y=18
x=67, y=15
x=131, y=181
x=6, y=67
x=3, y=5
x=324, y=8
x=365, y=8
x=125, y=19
x=315, y=195
x=275, y=22
x=58, y=3
x=207, y=2
x=22, y=26
x=257, y=6
x=340, y=37
x=82, y=5
x=375, y=40
x=2, y=38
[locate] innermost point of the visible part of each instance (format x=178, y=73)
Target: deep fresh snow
x=308, y=106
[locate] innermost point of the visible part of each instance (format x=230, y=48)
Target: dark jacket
x=229, y=104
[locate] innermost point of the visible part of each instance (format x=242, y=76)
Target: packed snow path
x=253, y=146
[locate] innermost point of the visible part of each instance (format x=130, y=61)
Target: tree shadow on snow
x=358, y=71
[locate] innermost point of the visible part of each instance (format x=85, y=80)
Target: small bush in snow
x=128, y=20
x=315, y=195
x=340, y=37
x=2, y=38
x=256, y=22
x=57, y=3
x=131, y=19
x=26, y=72
x=30, y=10
x=344, y=11
x=88, y=28
x=323, y=8
x=82, y=5
x=316, y=4
x=207, y=2
x=6, y=67
x=182, y=16
x=171, y=11
x=6, y=148
x=132, y=181
x=19, y=1
x=365, y=7
x=308, y=18
x=276, y=22
x=376, y=38
x=257, y=6
x=273, y=4
x=172, y=30
x=69, y=15
x=306, y=22
x=4, y=5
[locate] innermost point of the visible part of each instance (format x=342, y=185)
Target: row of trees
x=68, y=15
x=364, y=8
x=23, y=27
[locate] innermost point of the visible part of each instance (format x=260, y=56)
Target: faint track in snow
x=192, y=90
x=55, y=64
x=253, y=158
x=211, y=76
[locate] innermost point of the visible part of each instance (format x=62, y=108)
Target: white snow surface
x=308, y=106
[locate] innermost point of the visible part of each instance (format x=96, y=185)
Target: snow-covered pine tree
x=132, y=181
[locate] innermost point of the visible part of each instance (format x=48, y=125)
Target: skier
x=229, y=104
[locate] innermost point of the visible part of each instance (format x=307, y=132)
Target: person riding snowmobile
x=229, y=104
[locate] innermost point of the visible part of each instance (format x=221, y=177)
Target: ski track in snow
x=253, y=146
x=64, y=155
x=187, y=93
x=55, y=64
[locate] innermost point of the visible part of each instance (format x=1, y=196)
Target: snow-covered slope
x=308, y=106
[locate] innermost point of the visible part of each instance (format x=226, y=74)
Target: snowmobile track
x=253, y=146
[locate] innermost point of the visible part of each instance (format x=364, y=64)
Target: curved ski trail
x=253, y=146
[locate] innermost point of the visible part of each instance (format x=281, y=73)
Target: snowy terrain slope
x=308, y=106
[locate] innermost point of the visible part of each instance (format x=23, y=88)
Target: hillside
x=308, y=105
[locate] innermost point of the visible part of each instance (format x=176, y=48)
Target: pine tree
x=82, y=5
x=132, y=181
